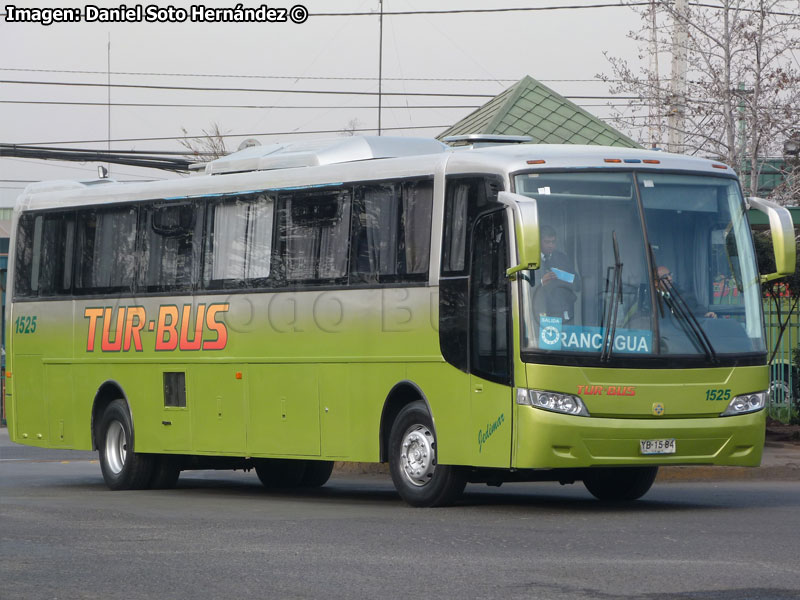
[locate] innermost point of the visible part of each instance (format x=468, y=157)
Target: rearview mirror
x=526, y=227
x=783, y=244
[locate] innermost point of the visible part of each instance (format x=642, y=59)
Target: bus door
x=490, y=342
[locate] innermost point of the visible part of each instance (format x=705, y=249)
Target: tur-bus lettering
x=175, y=328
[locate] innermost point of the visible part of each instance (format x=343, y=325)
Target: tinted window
x=489, y=299
x=45, y=246
x=466, y=198
x=106, y=250
x=239, y=242
x=392, y=231
x=314, y=232
x=170, y=247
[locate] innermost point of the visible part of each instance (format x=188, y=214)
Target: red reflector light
x=612, y=160
x=719, y=166
x=652, y=162
x=536, y=162
x=238, y=374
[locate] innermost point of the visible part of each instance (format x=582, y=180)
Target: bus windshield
x=641, y=265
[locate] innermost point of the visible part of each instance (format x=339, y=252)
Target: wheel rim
x=418, y=455
x=116, y=447
x=780, y=392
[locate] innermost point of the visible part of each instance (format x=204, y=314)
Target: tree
x=353, y=125
x=209, y=146
x=742, y=94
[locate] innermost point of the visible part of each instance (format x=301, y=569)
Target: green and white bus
x=479, y=314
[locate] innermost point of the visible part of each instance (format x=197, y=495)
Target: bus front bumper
x=548, y=440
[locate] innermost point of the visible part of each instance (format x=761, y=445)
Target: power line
x=300, y=77
x=152, y=161
x=218, y=89
x=92, y=169
x=257, y=106
x=229, y=135
x=457, y=11
x=532, y=9
x=336, y=92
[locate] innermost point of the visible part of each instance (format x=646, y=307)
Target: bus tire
x=416, y=474
x=317, y=473
x=166, y=472
x=277, y=473
x=123, y=469
x=619, y=484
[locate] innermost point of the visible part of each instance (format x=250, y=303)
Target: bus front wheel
x=619, y=484
x=123, y=469
x=416, y=474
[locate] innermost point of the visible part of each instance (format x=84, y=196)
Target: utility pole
x=380, y=64
x=108, y=75
x=677, y=113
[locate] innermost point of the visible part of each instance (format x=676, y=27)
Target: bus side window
x=24, y=257
x=391, y=232
x=239, y=242
x=45, y=249
x=106, y=254
x=455, y=228
x=170, y=247
x=314, y=233
x=489, y=299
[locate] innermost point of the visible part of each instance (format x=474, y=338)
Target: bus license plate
x=657, y=446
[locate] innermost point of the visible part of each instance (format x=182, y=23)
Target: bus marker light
x=238, y=374
x=632, y=160
x=716, y=166
x=8, y=375
x=538, y=161
x=651, y=161
x=612, y=160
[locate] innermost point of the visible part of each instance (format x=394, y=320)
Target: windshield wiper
x=613, y=307
x=680, y=308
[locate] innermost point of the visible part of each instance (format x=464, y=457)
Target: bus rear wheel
x=619, y=484
x=123, y=469
x=416, y=474
x=317, y=473
x=166, y=471
x=277, y=473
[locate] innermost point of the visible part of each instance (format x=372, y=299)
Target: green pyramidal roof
x=531, y=108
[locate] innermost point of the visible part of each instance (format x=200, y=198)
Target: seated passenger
x=559, y=282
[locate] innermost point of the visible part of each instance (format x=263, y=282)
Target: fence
x=784, y=374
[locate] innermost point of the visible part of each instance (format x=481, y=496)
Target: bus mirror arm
x=526, y=227
x=783, y=244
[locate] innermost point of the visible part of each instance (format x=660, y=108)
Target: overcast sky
x=421, y=54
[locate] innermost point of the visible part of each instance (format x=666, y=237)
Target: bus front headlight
x=746, y=403
x=552, y=401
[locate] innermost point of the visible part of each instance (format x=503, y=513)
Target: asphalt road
x=220, y=535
